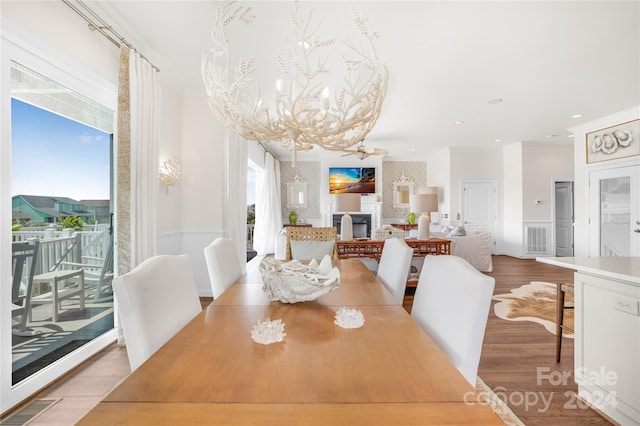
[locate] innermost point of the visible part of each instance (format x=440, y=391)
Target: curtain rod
x=103, y=28
x=266, y=149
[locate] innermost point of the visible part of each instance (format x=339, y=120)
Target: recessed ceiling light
x=494, y=101
x=497, y=140
x=576, y=116
x=570, y=135
x=458, y=122
x=549, y=136
x=412, y=149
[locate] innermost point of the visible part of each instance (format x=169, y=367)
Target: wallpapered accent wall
x=391, y=170
x=310, y=172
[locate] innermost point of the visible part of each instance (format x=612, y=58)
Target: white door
x=479, y=206
x=614, y=211
x=564, y=218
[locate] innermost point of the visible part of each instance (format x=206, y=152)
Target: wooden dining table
x=211, y=372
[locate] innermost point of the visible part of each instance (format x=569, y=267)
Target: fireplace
x=361, y=224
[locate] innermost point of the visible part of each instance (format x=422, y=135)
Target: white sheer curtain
x=145, y=115
x=268, y=207
x=235, y=211
x=137, y=180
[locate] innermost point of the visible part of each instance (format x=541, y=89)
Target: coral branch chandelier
x=304, y=113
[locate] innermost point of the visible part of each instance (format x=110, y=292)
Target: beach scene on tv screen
x=359, y=180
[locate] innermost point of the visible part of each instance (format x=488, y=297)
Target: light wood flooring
x=513, y=353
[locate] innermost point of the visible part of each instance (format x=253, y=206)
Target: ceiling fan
x=363, y=152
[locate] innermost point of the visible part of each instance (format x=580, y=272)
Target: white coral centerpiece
x=349, y=318
x=267, y=331
x=292, y=282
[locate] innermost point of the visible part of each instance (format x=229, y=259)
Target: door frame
x=553, y=204
x=594, y=211
x=39, y=56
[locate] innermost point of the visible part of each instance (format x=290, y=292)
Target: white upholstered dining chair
x=223, y=264
x=393, y=269
x=155, y=300
x=451, y=305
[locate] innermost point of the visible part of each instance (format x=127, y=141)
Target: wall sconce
x=170, y=172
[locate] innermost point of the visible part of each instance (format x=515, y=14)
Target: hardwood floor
x=513, y=354
x=518, y=357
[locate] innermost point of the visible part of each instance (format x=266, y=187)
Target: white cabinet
x=607, y=362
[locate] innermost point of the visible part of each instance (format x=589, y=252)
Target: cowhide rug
x=535, y=302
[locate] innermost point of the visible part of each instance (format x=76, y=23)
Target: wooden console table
x=373, y=248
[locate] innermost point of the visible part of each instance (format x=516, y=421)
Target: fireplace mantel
x=361, y=224
x=374, y=208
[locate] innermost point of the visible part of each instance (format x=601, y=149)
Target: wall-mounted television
x=355, y=180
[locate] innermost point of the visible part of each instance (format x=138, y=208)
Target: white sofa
x=474, y=247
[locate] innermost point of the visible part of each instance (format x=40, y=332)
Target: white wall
x=256, y=154
x=170, y=197
x=530, y=170
x=53, y=25
x=202, y=166
x=473, y=164
x=581, y=224
x=512, y=195
x=439, y=174
x=202, y=184
x=542, y=165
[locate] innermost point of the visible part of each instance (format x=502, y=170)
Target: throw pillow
x=458, y=231
x=446, y=229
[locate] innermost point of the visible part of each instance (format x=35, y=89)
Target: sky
x=52, y=155
x=251, y=186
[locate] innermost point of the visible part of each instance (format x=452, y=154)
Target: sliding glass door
x=61, y=196
x=57, y=163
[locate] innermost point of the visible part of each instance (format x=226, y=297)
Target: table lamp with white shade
x=425, y=202
x=347, y=203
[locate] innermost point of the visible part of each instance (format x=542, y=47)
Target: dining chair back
x=223, y=264
x=310, y=242
x=155, y=300
x=394, y=266
x=24, y=256
x=451, y=305
x=561, y=306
